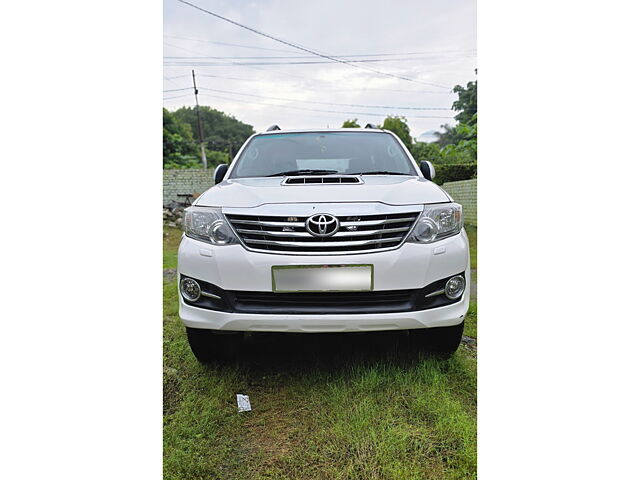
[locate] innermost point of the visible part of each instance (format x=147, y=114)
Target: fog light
x=190, y=289
x=454, y=287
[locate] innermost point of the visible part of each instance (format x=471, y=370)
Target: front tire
x=209, y=346
x=439, y=341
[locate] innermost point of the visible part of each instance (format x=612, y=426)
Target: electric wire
x=308, y=50
x=317, y=110
x=388, y=107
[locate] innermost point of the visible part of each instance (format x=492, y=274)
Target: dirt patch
x=169, y=274
x=474, y=284
x=170, y=391
x=470, y=343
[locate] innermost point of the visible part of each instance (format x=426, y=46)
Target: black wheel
x=209, y=346
x=440, y=341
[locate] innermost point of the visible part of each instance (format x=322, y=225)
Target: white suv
x=323, y=231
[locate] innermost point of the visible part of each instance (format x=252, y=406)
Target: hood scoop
x=323, y=180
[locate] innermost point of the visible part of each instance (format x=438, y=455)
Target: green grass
x=471, y=321
x=324, y=407
x=472, y=233
x=170, y=241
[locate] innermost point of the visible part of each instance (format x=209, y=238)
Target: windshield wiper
x=303, y=172
x=380, y=172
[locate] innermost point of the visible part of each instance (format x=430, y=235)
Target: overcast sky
x=430, y=41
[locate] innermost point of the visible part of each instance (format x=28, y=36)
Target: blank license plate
x=322, y=278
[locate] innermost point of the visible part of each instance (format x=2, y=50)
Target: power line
x=253, y=102
x=176, y=89
x=302, y=57
x=176, y=61
x=177, y=96
x=325, y=103
x=442, y=52
x=170, y=80
x=228, y=44
x=177, y=76
x=363, y=89
x=304, y=49
x=235, y=63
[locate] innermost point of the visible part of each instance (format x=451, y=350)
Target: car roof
x=324, y=130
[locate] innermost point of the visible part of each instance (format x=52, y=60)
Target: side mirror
x=219, y=173
x=426, y=167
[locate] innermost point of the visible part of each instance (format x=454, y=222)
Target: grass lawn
x=345, y=406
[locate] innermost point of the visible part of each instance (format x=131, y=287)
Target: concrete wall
x=188, y=180
x=465, y=193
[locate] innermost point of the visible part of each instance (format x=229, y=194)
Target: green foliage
x=215, y=158
x=398, y=125
x=178, y=147
x=426, y=151
x=466, y=148
x=455, y=172
x=221, y=132
x=450, y=136
x=351, y=123
x=467, y=103
x=223, y=137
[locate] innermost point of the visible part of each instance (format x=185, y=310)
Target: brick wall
x=465, y=193
x=189, y=180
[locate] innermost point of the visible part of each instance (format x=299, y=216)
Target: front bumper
x=411, y=266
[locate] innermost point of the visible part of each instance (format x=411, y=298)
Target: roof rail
x=371, y=125
x=272, y=128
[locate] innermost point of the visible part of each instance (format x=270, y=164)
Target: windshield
x=322, y=153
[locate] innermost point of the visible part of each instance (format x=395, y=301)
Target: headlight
x=208, y=225
x=437, y=222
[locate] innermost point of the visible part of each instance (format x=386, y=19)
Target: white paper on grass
x=243, y=403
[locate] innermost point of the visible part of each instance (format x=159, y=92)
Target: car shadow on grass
x=264, y=353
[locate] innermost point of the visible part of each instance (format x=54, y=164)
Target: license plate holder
x=322, y=278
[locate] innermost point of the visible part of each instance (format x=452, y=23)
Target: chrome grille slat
x=358, y=233
x=361, y=233
x=355, y=243
x=271, y=224
x=368, y=223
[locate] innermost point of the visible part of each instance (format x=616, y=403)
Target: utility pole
x=195, y=91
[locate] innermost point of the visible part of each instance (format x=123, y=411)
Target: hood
x=392, y=190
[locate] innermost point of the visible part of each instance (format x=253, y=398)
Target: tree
x=178, y=147
x=398, y=125
x=215, y=158
x=221, y=132
x=467, y=103
x=351, y=123
x=450, y=136
x=426, y=151
x=466, y=149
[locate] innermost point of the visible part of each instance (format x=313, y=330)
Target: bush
x=215, y=158
x=456, y=172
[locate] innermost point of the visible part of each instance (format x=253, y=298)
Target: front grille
x=357, y=233
x=334, y=302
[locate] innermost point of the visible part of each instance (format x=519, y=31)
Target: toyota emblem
x=322, y=225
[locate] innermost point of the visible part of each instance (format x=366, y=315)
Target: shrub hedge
x=455, y=172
